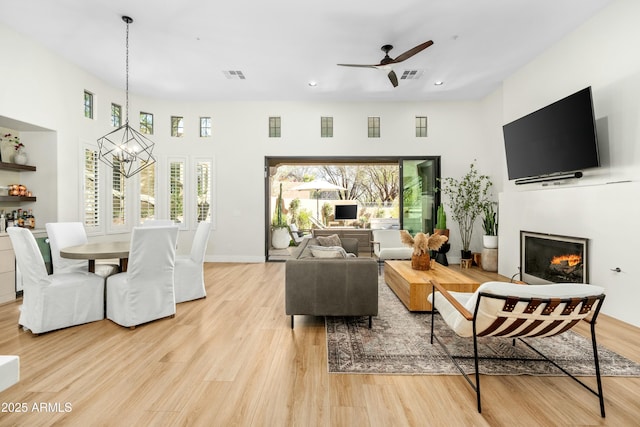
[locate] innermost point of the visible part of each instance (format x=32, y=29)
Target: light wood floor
x=232, y=360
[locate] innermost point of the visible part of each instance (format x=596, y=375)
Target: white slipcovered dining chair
x=189, y=273
x=55, y=301
x=145, y=292
x=517, y=311
x=64, y=234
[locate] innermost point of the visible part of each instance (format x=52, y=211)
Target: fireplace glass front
x=548, y=258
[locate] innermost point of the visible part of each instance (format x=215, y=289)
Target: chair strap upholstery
x=514, y=320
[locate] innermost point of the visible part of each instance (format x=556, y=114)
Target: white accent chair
x=64, y=234
x=189, y=273
x=510, y=310
x=145, y=292
x=157, y=223
x=386, y=245
x=56, y=301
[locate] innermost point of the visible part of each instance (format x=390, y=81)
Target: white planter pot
x=280, y=238
x=490, y=242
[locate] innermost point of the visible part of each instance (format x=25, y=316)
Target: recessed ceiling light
x=313, y=84
x=438, y=83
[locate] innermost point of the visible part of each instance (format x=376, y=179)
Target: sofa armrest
x=350, y=245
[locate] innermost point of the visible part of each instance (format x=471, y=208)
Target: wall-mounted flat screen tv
x=345, y=212
x=558, y=138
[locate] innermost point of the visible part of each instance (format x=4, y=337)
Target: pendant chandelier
x=126, y=150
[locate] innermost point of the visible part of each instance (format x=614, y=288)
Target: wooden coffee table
x=413, y=286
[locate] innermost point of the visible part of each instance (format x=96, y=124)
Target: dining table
x=99, y=250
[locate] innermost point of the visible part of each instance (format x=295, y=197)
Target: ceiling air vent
x=234, y=74
x=411, y=74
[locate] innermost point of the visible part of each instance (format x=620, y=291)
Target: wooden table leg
x=124, y=262
x=92, y=266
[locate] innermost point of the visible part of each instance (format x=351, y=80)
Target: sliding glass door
x=419, y=197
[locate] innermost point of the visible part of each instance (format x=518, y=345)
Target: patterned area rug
x=398, y=343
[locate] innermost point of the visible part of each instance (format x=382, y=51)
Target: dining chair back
x=58, y=300
x=189, y=273
x=157, y=223
x=145, y=292
x=64, y=234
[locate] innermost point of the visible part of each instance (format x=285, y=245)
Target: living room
x=42, y=99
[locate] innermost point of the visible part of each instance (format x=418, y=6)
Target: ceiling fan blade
x=359, y=65
x=394, y=79
x=408, y=54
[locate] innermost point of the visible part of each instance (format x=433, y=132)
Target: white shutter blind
x=118, y=191
x=148, y=193
x=91, y=188
x=203, y=190
x=176, y=191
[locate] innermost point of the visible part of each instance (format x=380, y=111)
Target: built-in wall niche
x=39, y=175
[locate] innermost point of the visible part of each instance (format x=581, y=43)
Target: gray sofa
x=330, y=286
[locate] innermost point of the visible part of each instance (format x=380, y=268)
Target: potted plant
x=467, y=199
x=490, y=226
x=422, y=243
x=441, y=222
x=280, y=237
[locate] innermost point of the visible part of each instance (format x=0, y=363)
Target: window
x=203, y=189
x=146, y=123
x=176, y=191
x=88, y=104
x=326, y=127
x=421, y=126
x=177, y=126
x=91, y=188
x=205, y=127
x=274, y=127
x=374, y=127
x=147, y=192
x=116, y=115
x=118, y=190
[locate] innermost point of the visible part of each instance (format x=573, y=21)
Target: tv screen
x=344, y=212
x=558, y=138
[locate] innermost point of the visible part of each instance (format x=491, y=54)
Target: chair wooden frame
x=525, y=324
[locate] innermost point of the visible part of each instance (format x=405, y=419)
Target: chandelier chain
x=127, y=76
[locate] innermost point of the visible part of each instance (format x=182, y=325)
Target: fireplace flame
x=570, y=260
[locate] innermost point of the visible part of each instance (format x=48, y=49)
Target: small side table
x=441, y=254
x=489, y=259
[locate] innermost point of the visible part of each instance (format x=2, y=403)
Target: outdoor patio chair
x=510, y=310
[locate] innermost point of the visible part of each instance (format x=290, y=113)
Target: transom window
x=274, y=127
x=373, y=127
x=421, y=126
x=177, y=126
x=326, y=127
x=116, y=115
x=146, y=123
x=205, y=127
x=88, y=104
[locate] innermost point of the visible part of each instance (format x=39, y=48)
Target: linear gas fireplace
x=549, y=258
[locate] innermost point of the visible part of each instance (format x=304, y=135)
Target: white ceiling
x=179, y=49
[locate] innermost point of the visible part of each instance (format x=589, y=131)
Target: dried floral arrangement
x=423, y=242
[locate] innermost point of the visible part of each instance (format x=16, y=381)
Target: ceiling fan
x=387, y=61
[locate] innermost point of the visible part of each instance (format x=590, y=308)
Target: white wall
x=45, y=90
x=602, y=206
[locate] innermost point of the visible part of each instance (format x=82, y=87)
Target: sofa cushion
x=302, y=250
x=328, y=251
x=331, y=240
